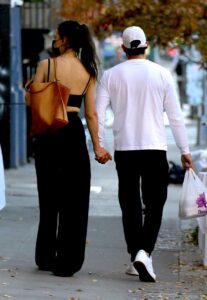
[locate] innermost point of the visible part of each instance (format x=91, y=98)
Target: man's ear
x=123, y=48
x=147, y=44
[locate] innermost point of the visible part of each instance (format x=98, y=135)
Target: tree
x=180, y=23
x=85, y=11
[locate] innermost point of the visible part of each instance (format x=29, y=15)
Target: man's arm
x=176, y=120
x=187, y=161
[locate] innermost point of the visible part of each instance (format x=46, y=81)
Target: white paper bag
x=2, y=183
x=193, y=202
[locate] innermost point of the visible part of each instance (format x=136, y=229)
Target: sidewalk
x=177, y=264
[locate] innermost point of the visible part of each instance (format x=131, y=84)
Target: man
x=139, y=91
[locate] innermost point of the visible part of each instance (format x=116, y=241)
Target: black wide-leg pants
x=63, y=181
x=143, y=181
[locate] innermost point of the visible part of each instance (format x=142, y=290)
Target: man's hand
x=187, y=161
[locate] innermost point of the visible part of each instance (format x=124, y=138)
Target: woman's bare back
x=70, y=72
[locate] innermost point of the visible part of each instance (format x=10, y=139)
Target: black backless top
x=73, y=100
x=76, y=100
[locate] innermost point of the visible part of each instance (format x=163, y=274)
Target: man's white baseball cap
x=134, y=37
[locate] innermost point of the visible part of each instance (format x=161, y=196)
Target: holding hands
x=102, y=155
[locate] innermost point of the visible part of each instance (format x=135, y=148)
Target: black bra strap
x=86, y=86
x=48, y=71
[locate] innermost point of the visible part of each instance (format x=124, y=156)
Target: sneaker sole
x=131, y=274
x=143, y=273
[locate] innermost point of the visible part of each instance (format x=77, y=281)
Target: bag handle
x=41, y=90
x=56, y=83
x=48, y=70
x=49, y=83
x=55, y=66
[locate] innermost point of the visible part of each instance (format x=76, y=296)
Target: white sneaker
x=143, y=265
x=130, y=270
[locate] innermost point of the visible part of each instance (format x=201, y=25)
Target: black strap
x=55, y=67
x=86, y=86
x=48, y=71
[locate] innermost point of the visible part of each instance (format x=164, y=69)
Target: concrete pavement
x=177, y=263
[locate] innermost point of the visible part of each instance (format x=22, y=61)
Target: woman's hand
x=102, y=155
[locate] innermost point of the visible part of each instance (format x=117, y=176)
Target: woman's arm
x=41, y=72
x=92, y=121
x=39, y=76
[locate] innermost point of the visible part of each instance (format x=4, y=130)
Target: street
x=177, y=264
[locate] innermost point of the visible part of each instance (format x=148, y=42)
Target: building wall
x=12, y=107
x=5, y=82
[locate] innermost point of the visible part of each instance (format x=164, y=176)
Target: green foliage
x=192, y=236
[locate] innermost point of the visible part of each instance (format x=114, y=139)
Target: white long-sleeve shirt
x=139, y=91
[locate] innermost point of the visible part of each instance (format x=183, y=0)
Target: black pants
x=143, y=180
x=63, y=180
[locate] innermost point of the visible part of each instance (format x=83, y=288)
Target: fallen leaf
x=131, y=291
x=4, y=258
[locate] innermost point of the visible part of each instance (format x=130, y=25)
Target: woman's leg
x=48, y=208
x=73, y=220
x=74, y=180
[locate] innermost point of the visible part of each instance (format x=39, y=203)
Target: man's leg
x=154, y=194
x=154, y=176
x=129, y=199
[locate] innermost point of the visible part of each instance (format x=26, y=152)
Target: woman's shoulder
x=43, y=62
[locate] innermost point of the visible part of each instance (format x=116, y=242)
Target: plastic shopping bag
x=202, y=221
x=193, y=202
x=2, y=183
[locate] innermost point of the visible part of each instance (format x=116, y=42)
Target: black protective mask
x=55, y=51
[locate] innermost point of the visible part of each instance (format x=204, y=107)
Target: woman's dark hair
x=80, y=40
x=136, y=51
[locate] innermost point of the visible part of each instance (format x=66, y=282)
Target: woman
x=61, y=159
